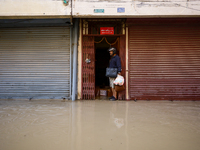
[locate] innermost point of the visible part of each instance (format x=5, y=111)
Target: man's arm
x=119, y=66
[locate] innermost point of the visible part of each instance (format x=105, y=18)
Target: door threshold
x=102, y=98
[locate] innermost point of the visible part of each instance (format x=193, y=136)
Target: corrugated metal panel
x=164, y=62
x=35, y=62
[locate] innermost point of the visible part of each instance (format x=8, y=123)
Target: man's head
x=112, y=51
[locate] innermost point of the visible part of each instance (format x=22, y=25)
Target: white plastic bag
x=119, y=80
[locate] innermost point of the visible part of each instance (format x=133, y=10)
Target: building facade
x=158, y=42
x=36, y=51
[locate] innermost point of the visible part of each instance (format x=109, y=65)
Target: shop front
x=35, y=59
x=164, y=58
x=97, y=36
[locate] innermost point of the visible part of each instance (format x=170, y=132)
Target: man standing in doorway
x=115, y=62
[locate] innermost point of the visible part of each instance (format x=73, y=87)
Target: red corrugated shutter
x=164, y=62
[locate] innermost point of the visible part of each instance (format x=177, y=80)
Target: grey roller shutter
x=35, y=62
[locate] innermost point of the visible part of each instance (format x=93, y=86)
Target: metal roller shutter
x=164, y=62
x=35, y=62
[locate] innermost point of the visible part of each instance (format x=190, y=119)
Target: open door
x=122, y=55
x=88, y=70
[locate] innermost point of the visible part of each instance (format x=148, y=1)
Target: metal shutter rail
x=35, y=62
x=164, y=62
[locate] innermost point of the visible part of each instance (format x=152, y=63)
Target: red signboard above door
x=106, y=30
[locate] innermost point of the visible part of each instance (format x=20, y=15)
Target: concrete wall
x=135, y=8
x=40, y=8
x=104, y=8
x=79, y=79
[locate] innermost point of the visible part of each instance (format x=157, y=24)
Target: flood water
x=99, y=125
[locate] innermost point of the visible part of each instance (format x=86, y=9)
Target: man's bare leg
x=114, y=93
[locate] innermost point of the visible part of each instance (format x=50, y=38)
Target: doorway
x=102, y=58
x=94, y=66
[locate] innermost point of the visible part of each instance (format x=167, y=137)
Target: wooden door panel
x=122, y=55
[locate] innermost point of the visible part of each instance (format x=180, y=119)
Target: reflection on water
x=99, y=125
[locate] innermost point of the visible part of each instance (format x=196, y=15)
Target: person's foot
x=111, y=97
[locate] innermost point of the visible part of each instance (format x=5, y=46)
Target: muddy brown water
x=99, y=125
